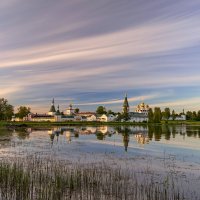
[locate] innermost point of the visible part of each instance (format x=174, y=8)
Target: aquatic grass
x=45, y=178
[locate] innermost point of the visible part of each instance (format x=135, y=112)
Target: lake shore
x=80, y=123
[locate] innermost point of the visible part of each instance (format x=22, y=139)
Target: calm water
x=182, y=141
x=153, y=151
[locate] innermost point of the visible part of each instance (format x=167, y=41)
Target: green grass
x=78, y=123
x=47, y=124
x=3, y=123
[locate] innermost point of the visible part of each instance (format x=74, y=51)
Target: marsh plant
x=39, y=178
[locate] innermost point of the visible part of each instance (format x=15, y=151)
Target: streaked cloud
x=146, y=39
x=95, y=54
x=187, y=103
x=120, y=101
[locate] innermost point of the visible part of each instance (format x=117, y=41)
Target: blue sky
x=91, y=53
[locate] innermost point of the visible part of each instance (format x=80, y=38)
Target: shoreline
x=79, y=123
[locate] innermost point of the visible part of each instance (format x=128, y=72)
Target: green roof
x=126, y=102
x=68, y=116
x=52, y=109
x=58, y=111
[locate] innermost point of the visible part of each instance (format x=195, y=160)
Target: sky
x=91, y=52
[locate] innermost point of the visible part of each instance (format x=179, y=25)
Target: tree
x=101, y=110
x=110, y=112
x=167, y=113
x=194, y=115
x=198, y=115
x=6, y=110
x=23, y=111
x=157, y=115
x=173, y=115
x=125, y=116
x=76, y=110
x=9, y=112
x=150, y=115
x=189, y=115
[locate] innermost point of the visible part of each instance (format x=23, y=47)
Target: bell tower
x=125, y=105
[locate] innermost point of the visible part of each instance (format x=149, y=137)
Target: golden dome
x=142, y=104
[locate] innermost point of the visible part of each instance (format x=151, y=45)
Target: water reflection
x=5, y=137
x=142, y=135
x=142, y=138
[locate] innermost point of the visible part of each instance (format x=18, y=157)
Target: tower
x=126, y=105
x=58, y=111
x=70, y=110
x=52, y=110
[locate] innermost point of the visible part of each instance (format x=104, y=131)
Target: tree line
x=7, y=110
x=155, y=115
x=193, y=115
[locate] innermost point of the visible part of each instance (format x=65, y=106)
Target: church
x=139, y=115
x=70, y=114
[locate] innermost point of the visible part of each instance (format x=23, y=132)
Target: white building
x=138, y=117
x=179, y=118
x=88, y=116
x=69, y=110
x=41, y=118
x=91, y=118
x=65, y=118
x=106, y=118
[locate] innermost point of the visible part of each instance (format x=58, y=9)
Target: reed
x=39, y=178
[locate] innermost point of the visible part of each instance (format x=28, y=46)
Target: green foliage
x=189, y=115
x=198, y=116
x=76, y=110
x=173, y=115
x=23, y=111
x=194, y=115
x=157, y=115
x=123, y=116
x=110, y=112
x=150, y=115
x=6, y=110
x=166, y=113
x=101, y=110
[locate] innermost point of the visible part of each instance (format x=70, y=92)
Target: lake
x=157, y=149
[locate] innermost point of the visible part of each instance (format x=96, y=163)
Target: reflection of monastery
x=71, y=133
x=142, y=138
x=140, y=134
x=74, y=132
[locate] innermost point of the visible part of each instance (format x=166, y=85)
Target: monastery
x=70, y=114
